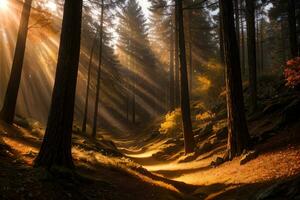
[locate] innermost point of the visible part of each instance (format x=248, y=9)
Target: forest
x=150, y=99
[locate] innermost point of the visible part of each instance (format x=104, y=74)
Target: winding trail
x=228, y=181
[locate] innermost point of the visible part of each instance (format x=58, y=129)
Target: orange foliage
x=292, y=72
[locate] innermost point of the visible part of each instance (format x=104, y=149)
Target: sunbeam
x=3, y=5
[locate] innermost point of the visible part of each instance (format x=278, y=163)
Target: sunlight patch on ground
x=266, y=167
x=146, y=154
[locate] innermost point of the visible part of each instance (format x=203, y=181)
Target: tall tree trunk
x=189, y=143
x=95, y=123
x=262, y=45
x=83, y=130
x=283, y=43
x=171, y=74
x=237, y=20
x=238, y=136
x=243, y=56
x=251, y=43
x=221, y=42
x=127, y=106
x=257, y=43
x=9, y=106
x=292, y=28
x=56, y=146
x=177, y=85
x=190, y=52
x=133, y=94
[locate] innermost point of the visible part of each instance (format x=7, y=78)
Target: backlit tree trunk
x=238, y=136
x=262, y=45
x=190, y=52
x=83, y=130
x=189, y=143
x=243, y=56
x=251, y=42
x=56, y=146
x=237, y=20
x=95, y=122
x=177, y=85
x=292, y=28
x=171, y=73
x=221, y=41
x=9, y=106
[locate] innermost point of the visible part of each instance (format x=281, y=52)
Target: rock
x=197, y=131
x=222, y=133
x=266, y=135
x=291, y=112
x=205, y=146
x=206, y=130
x=2, y=132
x=250, y=155
x=218, y=161
x=188, y=158
x=30, y=153
x=213, y=140
x=270, y=108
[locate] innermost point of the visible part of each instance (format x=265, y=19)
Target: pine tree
x=189, y=143
x=162, y=40
x=292, y=28
x=85, y=114
x=134, y=44
x=9, y=106
x=95, y=122
x=238, y=136
x=251, y=42
x=56, y=146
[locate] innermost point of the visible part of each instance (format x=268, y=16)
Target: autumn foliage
x=292, y=72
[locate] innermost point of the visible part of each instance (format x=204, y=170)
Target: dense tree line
x=179, y=29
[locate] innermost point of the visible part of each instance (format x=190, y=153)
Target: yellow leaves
x=203, y=83
x=205, y=116
x=172, y=122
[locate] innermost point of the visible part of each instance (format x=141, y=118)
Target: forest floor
x=101, y=172
x=278, y=160
x=150, y=165
x=271, y=169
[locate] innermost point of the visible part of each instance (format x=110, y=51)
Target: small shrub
x=292, y=72
x=172, y=123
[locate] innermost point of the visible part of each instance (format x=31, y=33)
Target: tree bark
x=177, y=85
x=292, y=28
x=171, y=74
x=237, y=20
x=262, y=45
x=238, y=136
x=283, y=41
x=189, y=143
x=83, y=130
x=9, y=106
x=133, y=108
x=56, y=146
x=258, y=66
x=243, y=57
x=190, y=52
x=251, y=43
x=95, y=122
x=221, y=43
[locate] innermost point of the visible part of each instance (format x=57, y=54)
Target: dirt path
x=231, y=180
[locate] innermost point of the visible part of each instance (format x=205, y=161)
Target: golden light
x=3, y=4
x=51, y=6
